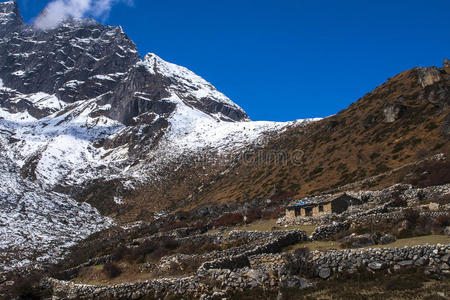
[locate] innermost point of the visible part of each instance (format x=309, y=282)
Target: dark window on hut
x=320, y=208
x=309, y=211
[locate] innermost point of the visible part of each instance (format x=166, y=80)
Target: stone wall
x=231, y=263
x=265, y=270
x=327, y=231
x=435, y=258
x=275, y=242
x=382, y=211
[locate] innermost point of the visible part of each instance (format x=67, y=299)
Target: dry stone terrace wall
x=265, y=270
x=156, y=288
x=403, y=191
x=73, y=272
x=235, y=266
x=435, y=258
x=276, y=241
x=328, y=231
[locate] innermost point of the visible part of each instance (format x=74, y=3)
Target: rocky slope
x=80, y=114
x=374, y=143
x=91, y=133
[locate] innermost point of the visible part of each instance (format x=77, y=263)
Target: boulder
x=294, y=282
x=446, y=63
x=405, y=263
x=433, y=206
x=376, y=265
x=428, y=76
x=394, y=111
x=387, y=239
x=421, y=261
x=358, y=241
x=324, y=273
x=447, y=230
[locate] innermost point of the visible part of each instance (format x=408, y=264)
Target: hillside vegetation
x=388, y=132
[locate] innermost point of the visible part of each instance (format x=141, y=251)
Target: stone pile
x=367, y=239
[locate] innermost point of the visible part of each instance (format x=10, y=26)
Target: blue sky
x=284, y=60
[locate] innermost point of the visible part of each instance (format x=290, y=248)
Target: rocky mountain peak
x=79, y=107
x=78, y=60
x=9, y=15
x=193, y=90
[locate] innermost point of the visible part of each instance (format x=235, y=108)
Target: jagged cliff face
x=10, y=18
x=73, y=61
x=81, y=60
x=81, y=113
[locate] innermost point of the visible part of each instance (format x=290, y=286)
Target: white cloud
x=59, y=10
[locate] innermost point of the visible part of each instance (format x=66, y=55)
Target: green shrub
x=28, y=288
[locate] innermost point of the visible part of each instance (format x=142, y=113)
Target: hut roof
x=314, y=201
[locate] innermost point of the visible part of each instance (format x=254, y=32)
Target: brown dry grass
x=266, y=225
x=333, y=245
x=354, y=144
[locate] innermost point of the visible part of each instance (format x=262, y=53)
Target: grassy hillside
x=400, y=123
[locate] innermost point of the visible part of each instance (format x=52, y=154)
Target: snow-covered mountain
x=78, y=104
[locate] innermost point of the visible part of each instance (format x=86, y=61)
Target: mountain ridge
x=79, y=106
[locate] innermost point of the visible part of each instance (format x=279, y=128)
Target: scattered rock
x=447, y=230
x=359, y=241
x=324, y=273
x=376, y=265
x=387, y=239
x=446, y=63
x=428, y=76
x=393, y=112
x=405, y=263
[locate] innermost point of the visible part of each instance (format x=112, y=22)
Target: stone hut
x=318, y=206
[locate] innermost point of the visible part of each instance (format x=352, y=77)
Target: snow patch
x=46, y=101
x=73, y=83
x=19, y=73
x=118, y=200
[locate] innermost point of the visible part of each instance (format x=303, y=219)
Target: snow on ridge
x=37, y=225
x=192, y=130
x=61, y=147
x=198, y=86
x=194, y=135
